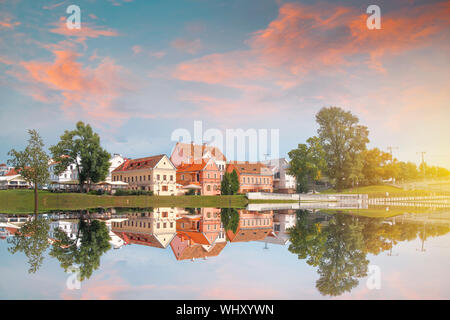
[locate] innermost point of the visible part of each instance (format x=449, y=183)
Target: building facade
x=13, y=180
x=193, y=153
x=156, y=173
x=282, y=181
x=205, y=174
x=115, y=161
x=253, y=177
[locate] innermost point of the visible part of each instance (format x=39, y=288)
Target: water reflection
x=338, y=245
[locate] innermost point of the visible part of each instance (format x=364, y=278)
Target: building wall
x=161, y=179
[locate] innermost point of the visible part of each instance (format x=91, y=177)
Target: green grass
x=379, y=191
x=22, y=201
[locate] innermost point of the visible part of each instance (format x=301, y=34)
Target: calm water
x=209, y=253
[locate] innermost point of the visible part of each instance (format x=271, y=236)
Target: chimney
x=192, y=152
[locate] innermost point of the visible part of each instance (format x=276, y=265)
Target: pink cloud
x=82, y=90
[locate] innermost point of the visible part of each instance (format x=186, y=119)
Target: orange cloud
x=7, y=23
x=319, y=38
x=89, y=91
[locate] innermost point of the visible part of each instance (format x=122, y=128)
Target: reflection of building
x=252, y=226
x=199, y=235
x=115, y=241
x=4, y=169
x=154, y=229
x=282, y=221
x=206, y=175
x=7, y=229
x=253, y=177
x=155, y=174
x=282, y=181
x=69, y=228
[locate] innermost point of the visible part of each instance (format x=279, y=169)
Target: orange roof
x=140, y=238
x=251, y=168
x=138, y=164
x=12, y=172
x=197, y=251
x=197, y=237
x=245, y=235
x=191, y=167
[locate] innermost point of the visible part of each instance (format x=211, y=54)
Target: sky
x=138, y=70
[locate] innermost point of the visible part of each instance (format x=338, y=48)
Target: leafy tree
x=225, y=185
x=82, y=148
x=230, y=218
x=91, y=243
x=374, y=164
x=32, y=240
x=307, y=164
x=234, y=182
x=32, y=163
x=343, y=141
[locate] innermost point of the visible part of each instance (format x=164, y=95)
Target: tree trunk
x=35, y=200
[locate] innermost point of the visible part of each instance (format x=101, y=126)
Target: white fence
x=307, y=197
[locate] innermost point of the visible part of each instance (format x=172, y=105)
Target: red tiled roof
x=245, y=235
x=12, y=172
x=250, y=168
x=191, y=167
x=138, y=164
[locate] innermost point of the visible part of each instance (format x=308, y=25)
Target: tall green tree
x=343, y=141
x=32, y=163
x=225, y=185
x=234, y=182
x=307, y=164
x=32, y=240
x=85, y=250
x=82, y=148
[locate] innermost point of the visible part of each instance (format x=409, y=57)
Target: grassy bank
x=22, y=201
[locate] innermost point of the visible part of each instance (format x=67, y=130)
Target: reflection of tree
x=91, y=243
x=336, y=249
x=32, y=240
x=230, y=218
x=344, y=259
x=307, y=239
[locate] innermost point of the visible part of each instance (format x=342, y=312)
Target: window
x=208, y=187
x=164, y=225
x=149, y=178
x=157, y=177
x=171, y=224
x=164, y=188
x=158, y=225
x=164, y=177
x=171, y=177
x=165, y=214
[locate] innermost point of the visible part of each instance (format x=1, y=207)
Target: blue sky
x=137, y=70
